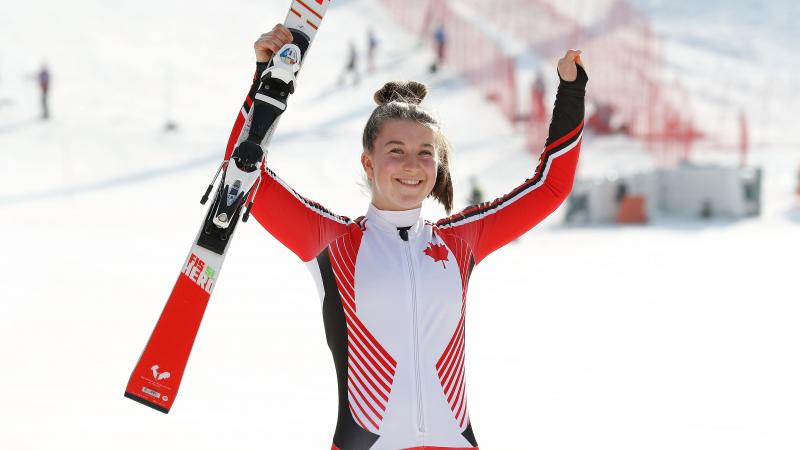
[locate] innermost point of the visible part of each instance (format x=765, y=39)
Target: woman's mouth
x=409, y=181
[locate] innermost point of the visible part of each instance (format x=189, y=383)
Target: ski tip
x=146, y=402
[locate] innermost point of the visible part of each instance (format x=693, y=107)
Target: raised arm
x=489, y=226
x=265, y=47
x=303, y=226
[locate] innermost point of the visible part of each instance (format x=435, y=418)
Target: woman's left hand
x=567, y=69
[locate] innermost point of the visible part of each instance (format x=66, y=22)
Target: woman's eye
x=396, y=151
x=426, y=153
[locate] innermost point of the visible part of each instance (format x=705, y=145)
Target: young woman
x=393, y=286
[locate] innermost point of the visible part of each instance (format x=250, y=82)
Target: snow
x=676, y=335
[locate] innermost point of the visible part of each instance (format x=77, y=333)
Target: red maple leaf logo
x=438, y=252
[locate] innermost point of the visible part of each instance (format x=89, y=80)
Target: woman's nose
x=410, y=163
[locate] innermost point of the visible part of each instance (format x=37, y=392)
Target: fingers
x=572, y=55
x=282, y=32
x=269, y=43
x=275, y=39
x=567, y=66
x=571, y=58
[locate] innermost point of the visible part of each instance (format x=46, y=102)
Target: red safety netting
x=628, y=93
x=468, y=51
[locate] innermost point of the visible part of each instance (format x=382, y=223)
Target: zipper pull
x=403, y=232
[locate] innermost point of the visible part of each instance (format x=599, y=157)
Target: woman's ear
x=366, y=163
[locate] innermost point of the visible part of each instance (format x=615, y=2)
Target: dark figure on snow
x=476, y=193
x=43, y=78
x=440, y=45
x=372, y=48
x=621, y=192
x=351, y=68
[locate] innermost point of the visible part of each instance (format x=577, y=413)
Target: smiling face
x=401, y=166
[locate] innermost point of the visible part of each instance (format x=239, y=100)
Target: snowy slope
x=680, y=335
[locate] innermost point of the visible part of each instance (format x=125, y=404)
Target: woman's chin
x=406, y=203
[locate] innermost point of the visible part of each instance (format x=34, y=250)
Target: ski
x=158, y=373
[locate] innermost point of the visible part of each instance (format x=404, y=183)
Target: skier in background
x=440, y=46
x=372, y=48
x=43, y=79
x=476, y=193
x=621, y=192
x=392, y=285
x=351, y=68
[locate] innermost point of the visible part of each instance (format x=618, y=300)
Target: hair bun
x=401, y=91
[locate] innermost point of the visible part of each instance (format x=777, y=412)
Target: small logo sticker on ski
x=158, y=376
x=202, y=274
x=151, y=392
x=234, y=192
x=290, y=55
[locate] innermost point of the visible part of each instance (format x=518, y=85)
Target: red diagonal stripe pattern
x=310, y=9
x=450, y=366
x=370, y=368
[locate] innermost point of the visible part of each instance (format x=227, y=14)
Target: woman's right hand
x=271, y=42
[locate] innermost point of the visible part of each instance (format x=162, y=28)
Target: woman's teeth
x=410, y=182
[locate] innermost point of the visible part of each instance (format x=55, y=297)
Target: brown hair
x=399, y=100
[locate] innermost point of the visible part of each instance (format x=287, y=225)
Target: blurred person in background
x=440, y=46
x=43, y=80
x=476, y=193
x=392, y=285
x=372, y=49
x=351, y=67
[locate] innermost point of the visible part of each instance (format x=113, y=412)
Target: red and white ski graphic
x=157, y=376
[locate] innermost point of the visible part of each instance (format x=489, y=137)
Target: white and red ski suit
x=394, y=286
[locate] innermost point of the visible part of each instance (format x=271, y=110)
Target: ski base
x=135, y=398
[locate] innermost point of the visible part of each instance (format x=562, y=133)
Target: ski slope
x=677, y=335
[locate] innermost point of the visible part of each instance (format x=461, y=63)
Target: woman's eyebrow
x=403, y=143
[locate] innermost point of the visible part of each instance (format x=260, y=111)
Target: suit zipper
x=418, y=378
